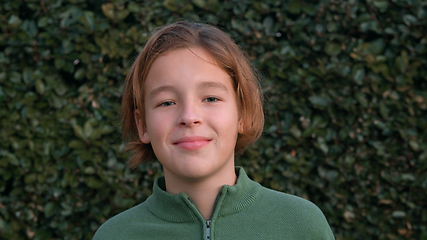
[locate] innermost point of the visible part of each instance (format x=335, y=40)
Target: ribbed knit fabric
x=243, y=211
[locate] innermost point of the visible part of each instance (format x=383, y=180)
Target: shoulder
x=298, y=214
x=288, y=202
x=118, y=226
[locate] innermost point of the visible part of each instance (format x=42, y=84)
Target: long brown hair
x=226, y=54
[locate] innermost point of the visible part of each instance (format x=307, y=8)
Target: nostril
x=190, y=123
x=189, y=117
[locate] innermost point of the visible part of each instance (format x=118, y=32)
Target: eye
x=166, y=104
x=211, y=99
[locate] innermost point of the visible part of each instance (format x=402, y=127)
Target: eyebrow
x=202, y=85
x=158, y=90
x=217, y=85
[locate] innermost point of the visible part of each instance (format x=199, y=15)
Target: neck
x=202, y=192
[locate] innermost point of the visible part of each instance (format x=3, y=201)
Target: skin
x=192, y=124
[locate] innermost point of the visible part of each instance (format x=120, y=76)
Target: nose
x=189, y=115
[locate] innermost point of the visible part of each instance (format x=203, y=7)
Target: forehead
x=185, y=66
x=184, y=55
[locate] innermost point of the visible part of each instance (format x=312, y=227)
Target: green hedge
x=346, y=103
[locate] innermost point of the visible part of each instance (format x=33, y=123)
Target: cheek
x=156, y=127
x=228, y=123
x=153, y=124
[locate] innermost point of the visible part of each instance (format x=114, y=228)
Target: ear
x=142, y=130
x=241, y=128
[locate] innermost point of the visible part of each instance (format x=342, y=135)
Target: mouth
x=192, y=142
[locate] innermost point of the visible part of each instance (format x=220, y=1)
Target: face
x=191, y=115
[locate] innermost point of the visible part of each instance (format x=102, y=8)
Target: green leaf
x=358, y=74
x=332, y=49
x=199, y=3
x=292, y=142
x=12, y=159
x=15, y=77
x=170, y=5
x=50, y=209
x=309, y=9
x=77, y=144
x=90, y=170
x=398, y=214
x=414, y=145
x=322, y=145
x=66, y=209
x=400, y=64
x=133, y=7
x=122, y=14
x=407, y=177
x=88, y=20
x=107, y=129
x=381, y=4
x=295, y=131
x=290, y=159
x=94, y=183
x=4, y=162
x=409, y=19
x=30, y=28
x=294, y=7
x=60, y=88
x=26, y=75
x=43, y=22
x=332, y=27
x=59, y=63
x=108, y=10
x=318, y=101
x=30, y=178
x=404, y=55
x=14, y=21
x=376, y=47
x=88, y=129
x=383, y=69
x=40, y=87
x=384, y=110
x=78, y=131
x=79, y=74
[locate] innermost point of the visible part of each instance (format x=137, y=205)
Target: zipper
x=208, y=222
x=208, y=229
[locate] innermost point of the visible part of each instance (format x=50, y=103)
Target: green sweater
x=243, y=211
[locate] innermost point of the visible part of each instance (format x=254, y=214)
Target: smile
x=192, y=143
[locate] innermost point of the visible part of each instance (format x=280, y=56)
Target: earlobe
x=142, y=130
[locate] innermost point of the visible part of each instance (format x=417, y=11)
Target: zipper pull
x=208, y=229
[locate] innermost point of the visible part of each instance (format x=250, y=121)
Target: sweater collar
x=180, y=208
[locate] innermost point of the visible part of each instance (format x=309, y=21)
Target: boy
x=192, y=100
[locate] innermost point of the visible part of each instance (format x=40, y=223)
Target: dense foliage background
x=346, y=103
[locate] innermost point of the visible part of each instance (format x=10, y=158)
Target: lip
x=192, y=142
